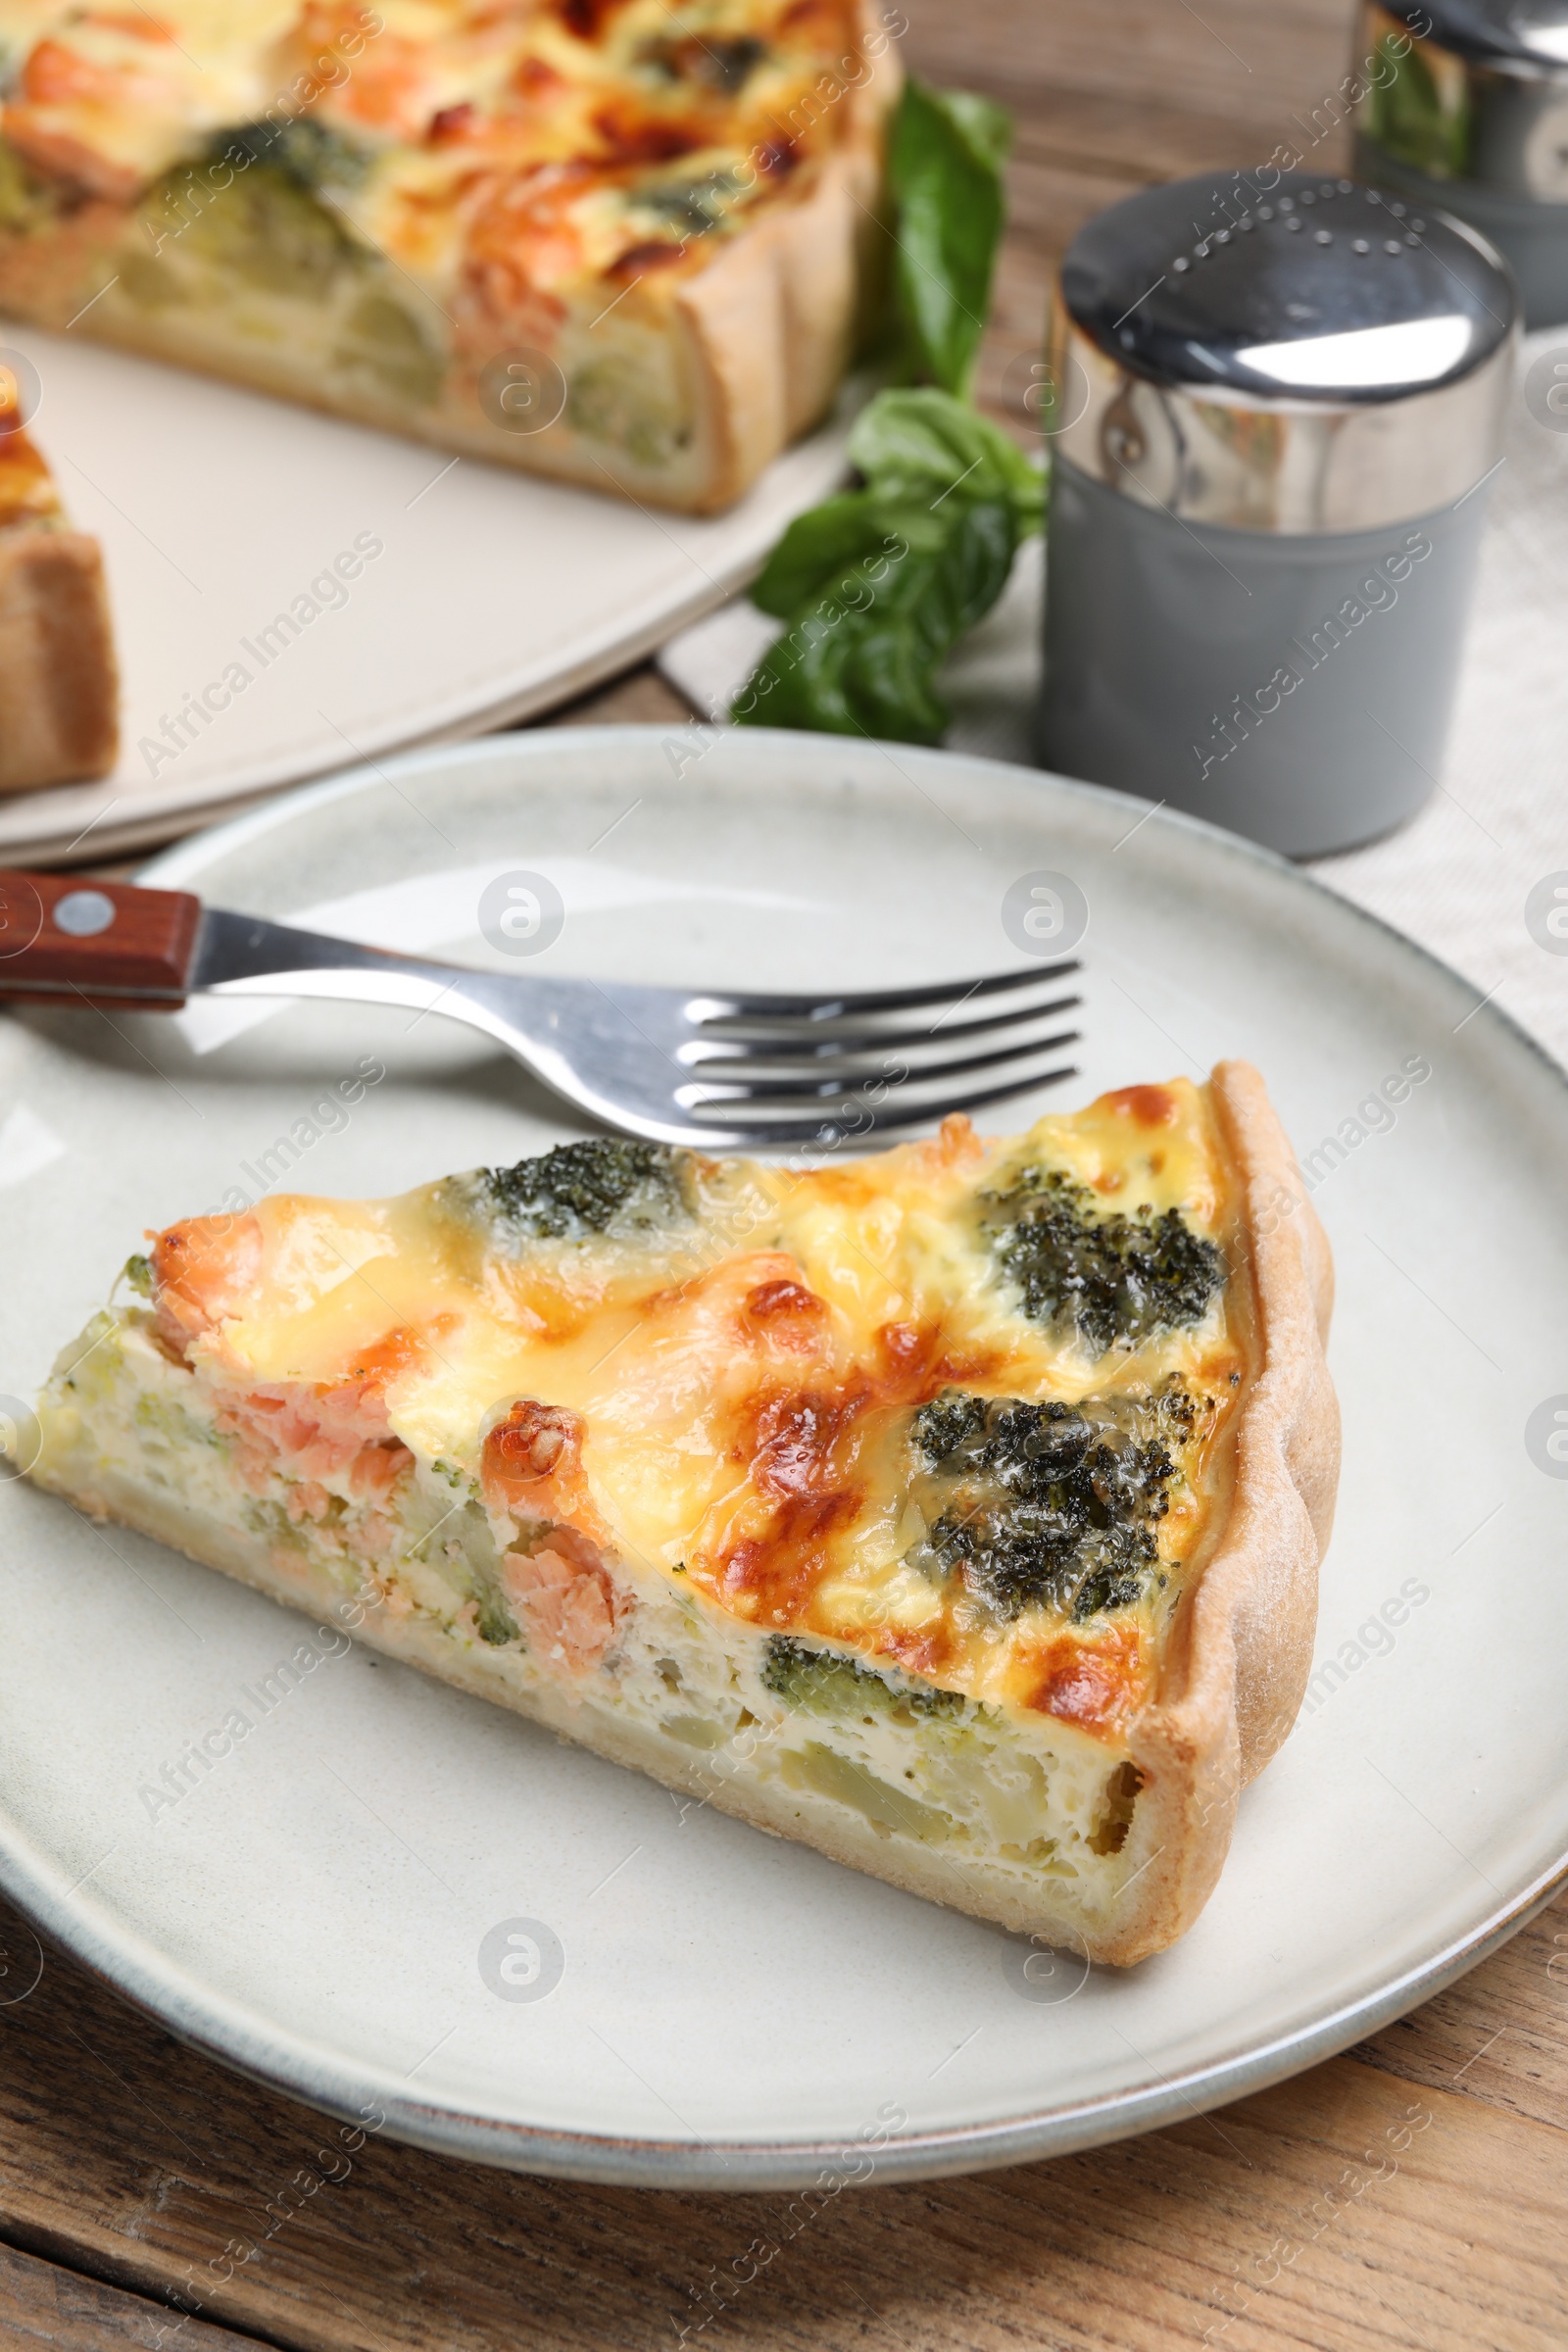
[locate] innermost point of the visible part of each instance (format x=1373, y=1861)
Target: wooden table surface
x=1412, y=2193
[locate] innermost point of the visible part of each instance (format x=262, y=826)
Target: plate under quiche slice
x=58, y=684
x=622, y=241
x=957, y=1511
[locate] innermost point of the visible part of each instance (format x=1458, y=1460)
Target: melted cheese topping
x=109, y=97
x=745, y=1377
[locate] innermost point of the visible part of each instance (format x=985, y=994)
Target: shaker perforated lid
x=1376, y=337
x=1325, y=291
x=1528, y=36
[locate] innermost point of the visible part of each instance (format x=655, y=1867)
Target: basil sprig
x=878, y=583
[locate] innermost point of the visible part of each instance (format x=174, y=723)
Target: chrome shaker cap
x=1324, y=359
x=1472, y=90
x=1522, y=37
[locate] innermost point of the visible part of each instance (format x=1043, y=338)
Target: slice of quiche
x=624, y=241
x=59, y=687
x=957, y=1511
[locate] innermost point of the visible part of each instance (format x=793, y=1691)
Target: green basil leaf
x=945, y=168
x=925, y=444
x=818, y=548
x=1413, y=119
x=861, y=656
x=799, y=684
x=888, y=684
x=951, y=591
x=878, y=583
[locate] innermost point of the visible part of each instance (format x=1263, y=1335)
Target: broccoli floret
x=492, y=1617
x=819, y=1681
x=598, y=1186
x=726, y=66
x=269, y=227
x=137, y=1272
x=1114, y=1280
x=1048, y=1504
x=309, y=152
x=383, y=341
x=729, y=65
x=24, y=199
x=949, y=1421
x=692, y=206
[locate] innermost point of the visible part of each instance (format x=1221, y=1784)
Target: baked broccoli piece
x=308, y=151
x=1048, y=1505
x=1115, y=1281
x=602, y=1185
x=491, y=1616
x=381, y=340
x=24, y=200
x=268, y=227
x=819, y=1681
x=726, y=66
x=692, y=206
x=137, y=1273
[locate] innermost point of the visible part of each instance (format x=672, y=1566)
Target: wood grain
x=1411, y=2196
x=1413, y=2193
x=42, y=2304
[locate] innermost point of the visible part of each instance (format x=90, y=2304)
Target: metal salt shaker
x=1464, y=105
x=1273, y=427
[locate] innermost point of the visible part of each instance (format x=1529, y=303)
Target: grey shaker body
x=1294, y=690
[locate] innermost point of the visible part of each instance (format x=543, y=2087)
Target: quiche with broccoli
x=624, y=241
x=957, y=1511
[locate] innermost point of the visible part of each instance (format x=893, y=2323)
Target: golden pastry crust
x=59, y=687
x=1241, y=1647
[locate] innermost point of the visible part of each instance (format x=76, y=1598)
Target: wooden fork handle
x=65, y=938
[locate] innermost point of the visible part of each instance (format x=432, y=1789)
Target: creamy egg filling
x=871, y=1490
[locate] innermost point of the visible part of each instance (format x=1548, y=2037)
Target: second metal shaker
x=1465, y=105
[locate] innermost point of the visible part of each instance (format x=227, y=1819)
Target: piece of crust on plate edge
x=957, y=1511
x=59, y=685
x=628, y=245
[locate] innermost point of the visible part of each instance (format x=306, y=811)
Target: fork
x=711, y=1067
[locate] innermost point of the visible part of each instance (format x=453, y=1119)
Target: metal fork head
x=722, y=1073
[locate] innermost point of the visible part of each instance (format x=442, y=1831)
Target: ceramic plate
x=730, y=2010
x=478, y=594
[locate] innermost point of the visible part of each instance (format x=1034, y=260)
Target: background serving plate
x=494, y=595
x=321, y=1907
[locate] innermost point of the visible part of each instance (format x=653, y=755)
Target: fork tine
x=704, y=1010
x=714, y=1092
x=883, y=1120
x=714, y=1051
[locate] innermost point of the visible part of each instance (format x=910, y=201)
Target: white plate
x=732, y=2009
x=494, y=596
